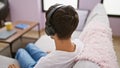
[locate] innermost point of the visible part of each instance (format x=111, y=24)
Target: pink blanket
x=97, y=38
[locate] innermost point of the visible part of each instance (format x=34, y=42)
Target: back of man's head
x=64, y=21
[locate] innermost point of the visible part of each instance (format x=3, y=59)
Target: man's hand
x=13, y=66
x=48, y=52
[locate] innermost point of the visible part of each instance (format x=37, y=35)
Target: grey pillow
x=98, y=14
x=82, y=19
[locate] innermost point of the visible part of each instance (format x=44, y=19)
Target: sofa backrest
x=83, y=14
x=98, y=14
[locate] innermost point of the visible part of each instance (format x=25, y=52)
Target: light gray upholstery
x=83, y=14
x=6, y=61
x=85, y=64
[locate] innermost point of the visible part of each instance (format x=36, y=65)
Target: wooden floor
x=116, y=42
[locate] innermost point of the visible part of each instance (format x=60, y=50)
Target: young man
x=61, y=21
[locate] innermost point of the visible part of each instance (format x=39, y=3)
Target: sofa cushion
x=97, y=38
x=85, y=64
x=98, y=14
x=45, y=43
x=6, y=61
x=83, y=14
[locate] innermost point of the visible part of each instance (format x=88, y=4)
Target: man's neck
x=65, y=45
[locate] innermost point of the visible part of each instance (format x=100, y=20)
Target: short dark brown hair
x=64, y=21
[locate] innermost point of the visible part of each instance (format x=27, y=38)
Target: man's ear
x=54, y=36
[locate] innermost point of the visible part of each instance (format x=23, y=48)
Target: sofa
x=98, y=14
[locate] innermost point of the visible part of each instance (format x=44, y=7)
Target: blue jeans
x=29, y=56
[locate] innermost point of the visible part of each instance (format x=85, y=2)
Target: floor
x=116, y=42
x=33, y=36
